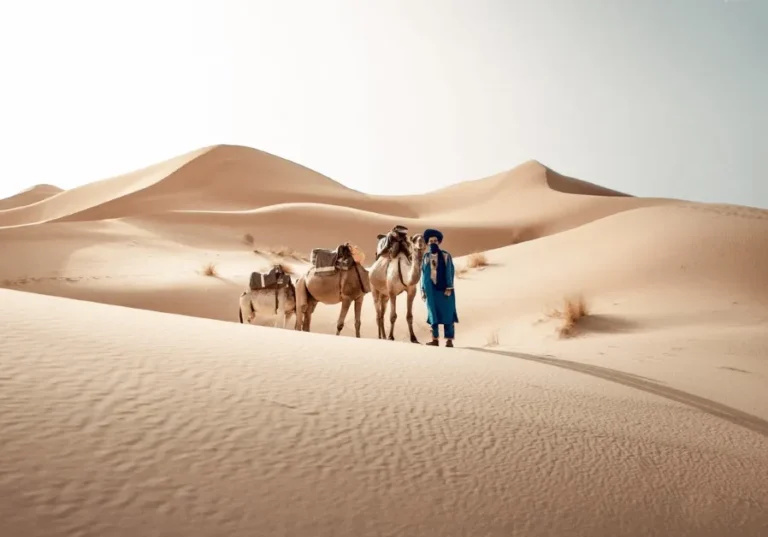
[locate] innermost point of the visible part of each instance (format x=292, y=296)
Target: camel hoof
x=416, y=341
x=391, y=338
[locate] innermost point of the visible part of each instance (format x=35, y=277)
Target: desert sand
x=132, y=402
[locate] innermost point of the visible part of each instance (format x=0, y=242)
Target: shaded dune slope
x=570, y=185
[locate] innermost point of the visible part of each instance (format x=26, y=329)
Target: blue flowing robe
x=441, y=309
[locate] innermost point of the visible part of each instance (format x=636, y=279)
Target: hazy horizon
x=661, y=98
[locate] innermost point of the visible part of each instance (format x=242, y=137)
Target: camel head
x=418, y=244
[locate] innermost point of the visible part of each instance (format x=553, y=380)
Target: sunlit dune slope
x=121, y=422
x=524, y=203
x=29, y=196
x=93, y=195
x=218, y=178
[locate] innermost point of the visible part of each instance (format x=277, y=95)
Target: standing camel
x=342, y=279
x=270, y=291
x=394, y=272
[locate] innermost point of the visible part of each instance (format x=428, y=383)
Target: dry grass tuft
x=248, y=239
x=574, y=309
x=461, y=271
x=476, y=260
x=209, y=269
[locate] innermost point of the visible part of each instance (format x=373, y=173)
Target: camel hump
x=275, y=278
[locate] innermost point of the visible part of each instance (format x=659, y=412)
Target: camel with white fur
x=392, y=273
x=279, y=301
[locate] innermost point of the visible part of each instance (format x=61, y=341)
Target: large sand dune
x=120, y=422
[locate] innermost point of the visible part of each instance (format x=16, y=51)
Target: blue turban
x=429, y=233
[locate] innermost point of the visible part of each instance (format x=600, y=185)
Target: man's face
x=432, y=240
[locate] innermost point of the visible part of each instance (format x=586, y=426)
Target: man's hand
x=448, y=292
x=423, y=295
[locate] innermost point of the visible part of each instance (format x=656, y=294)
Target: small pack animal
x=274, y=279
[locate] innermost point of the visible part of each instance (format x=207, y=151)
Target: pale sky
x=652, y=97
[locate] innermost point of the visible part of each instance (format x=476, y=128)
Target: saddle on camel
x=327, y=261
x=393, y=242
x=275, y=279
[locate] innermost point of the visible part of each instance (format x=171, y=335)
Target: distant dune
x=646, y=417
x=29, y=196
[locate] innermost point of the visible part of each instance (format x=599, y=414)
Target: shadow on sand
x=736, y=417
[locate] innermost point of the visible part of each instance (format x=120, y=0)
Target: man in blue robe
x=437, y=274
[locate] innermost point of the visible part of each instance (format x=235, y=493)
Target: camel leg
x=301, y=303
x=377, y=307
x=240, y=310
x=358, y=314
x=383, y=301
x=392, y=316
x=409, y=313
x=308, y=314
x=345, y=304
x=288, y=315
x=281, y=315
x=247, y=312
x=301, y=313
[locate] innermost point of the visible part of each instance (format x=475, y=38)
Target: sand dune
x=205, y=428
x=94, y=194
x=29, y=196
x=649, y=422
x=212, y=178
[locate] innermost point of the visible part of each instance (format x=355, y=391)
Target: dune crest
x=570, y=185
x=29, y=196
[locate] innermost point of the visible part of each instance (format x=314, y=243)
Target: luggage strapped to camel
x=275, y=279
x=387, y=240
x=327, y=262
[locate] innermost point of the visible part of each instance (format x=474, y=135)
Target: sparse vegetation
x=18, y=282
x=476, y=260
x=574, y=309
x=248, y=239
x=461, y=271
x=281, y=252
x=209, y=269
